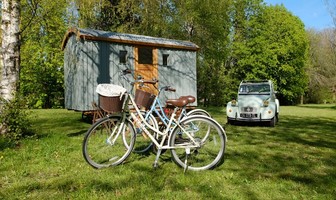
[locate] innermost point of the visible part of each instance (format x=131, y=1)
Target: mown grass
x=294, y=160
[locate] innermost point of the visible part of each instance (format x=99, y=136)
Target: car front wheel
x=273, y=121
x=229, y=121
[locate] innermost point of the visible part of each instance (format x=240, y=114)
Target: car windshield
x=254, y=88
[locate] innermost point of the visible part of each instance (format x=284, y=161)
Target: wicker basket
x=111, y=104
x=144, y=99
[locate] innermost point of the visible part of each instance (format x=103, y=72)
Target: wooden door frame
x=154, y=66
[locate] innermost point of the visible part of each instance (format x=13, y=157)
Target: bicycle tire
x=208, y=133
x=98, y=148
x=198, y=112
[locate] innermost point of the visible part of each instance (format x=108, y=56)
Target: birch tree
x=10, y=48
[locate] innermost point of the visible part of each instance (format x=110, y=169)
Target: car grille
x=249, y=109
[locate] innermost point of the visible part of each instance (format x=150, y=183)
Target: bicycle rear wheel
x=207, y=134
x=108, y=142
x=198, y=112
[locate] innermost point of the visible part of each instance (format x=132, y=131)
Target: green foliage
x=14, y=117
x=239, y=39
x=241, y=13
x=41, y=75
x=318, y=94
x=275, y=47
x=208, y=25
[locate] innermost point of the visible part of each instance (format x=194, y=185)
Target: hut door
x=146, y=65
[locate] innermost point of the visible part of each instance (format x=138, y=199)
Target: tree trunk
x=10, y=52
x=10, y=48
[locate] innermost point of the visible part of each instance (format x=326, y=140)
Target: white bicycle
x=196, y=142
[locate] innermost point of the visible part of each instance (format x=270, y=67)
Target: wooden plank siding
x=88, y=63
x=180, y=73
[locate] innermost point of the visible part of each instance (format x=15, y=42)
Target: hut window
x=165, y=59
x=145, y=55
x=122, y=57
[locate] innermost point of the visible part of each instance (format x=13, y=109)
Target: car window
x=264, y=88
x=243, y=88
x=254, y=88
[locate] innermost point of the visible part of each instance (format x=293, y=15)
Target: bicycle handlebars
x=153, y=82
x=168, y=88
x=139, y=78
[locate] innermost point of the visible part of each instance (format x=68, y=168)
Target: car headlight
x=234, y=102
x=265, y=103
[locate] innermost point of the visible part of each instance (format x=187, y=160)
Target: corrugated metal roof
x=90, y=34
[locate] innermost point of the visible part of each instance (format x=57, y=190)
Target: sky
x=313, y=13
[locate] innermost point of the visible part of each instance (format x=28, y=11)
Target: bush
x=14, y=119
x=319, y=94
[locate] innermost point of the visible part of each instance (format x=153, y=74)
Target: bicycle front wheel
x=204, y=147
x=108, y=142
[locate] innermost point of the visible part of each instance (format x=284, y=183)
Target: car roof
x=256, y=81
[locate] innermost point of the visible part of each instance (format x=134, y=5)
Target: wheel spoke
x=106, y=142
x=209, y=139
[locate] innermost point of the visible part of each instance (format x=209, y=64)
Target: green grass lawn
x=294, y=160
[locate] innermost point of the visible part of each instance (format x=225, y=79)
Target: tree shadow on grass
x=251, y=124
x=5, y=143
x=299, y=149
x=317, y=132
x=322, y=107
x=77, y=133
x=70, y=127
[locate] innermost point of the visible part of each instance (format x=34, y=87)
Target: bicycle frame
x=142, y=123
x=159, y=110
x=161, y=114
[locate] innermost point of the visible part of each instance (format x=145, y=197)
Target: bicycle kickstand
x=156, y=162
x=186, y=160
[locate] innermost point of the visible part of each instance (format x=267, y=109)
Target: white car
x=256, y=102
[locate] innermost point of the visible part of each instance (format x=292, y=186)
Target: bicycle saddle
x=191, y=99
x=177, y=102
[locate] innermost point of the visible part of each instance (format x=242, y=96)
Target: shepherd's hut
x=92, y=57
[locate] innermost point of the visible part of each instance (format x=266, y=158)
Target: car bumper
x=240, y=119
x=260, y=114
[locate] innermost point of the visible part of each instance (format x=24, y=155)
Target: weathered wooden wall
x=88, y=63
